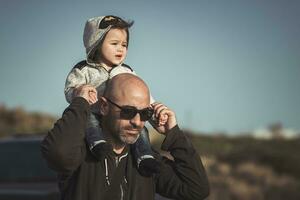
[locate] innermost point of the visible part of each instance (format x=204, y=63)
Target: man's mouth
x=133, y=132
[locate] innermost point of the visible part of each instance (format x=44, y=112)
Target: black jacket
x=81, y=177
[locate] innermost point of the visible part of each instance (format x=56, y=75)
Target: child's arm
x=74, y=79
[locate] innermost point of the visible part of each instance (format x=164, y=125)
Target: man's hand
x=88, y=92
x=166, y=118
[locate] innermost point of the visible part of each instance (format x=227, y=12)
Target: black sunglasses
x=109, y=20
x=128, y=112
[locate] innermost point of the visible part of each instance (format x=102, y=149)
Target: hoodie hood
x=92, y=36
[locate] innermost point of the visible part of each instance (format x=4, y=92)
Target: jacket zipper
x=106, y=172
x=117, y=161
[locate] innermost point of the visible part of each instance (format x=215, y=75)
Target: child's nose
x=120, y=48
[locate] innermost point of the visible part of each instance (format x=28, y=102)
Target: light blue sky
x=221, y=65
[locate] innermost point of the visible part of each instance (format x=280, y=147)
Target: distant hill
x=246, y=168
x=280, y=154
x=17, y=121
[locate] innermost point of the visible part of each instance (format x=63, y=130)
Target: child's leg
x=143, y=147
x=94, y=134
x=144, y=154
x=95, y=138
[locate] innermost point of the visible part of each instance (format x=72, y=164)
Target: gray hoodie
x=89, y=72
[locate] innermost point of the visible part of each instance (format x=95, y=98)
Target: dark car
x=23, y=173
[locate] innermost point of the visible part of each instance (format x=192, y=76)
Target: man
x=124, y=108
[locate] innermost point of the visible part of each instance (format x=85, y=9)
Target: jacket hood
x=93, y=35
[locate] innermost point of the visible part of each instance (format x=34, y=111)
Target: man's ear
x=103, y=106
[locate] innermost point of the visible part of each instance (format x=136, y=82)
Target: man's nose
x=136, y=120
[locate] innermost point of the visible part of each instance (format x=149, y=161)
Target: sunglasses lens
x=146, y=114
x=128, y=113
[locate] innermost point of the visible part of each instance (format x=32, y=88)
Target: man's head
x=125, y=106
x=109, y=31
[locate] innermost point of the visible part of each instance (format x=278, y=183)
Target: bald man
x=125, y=107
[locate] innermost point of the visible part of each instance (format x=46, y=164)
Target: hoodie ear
x=103, y=106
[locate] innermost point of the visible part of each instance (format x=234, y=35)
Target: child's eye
x=114, y=43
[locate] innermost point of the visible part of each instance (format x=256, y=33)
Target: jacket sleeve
x=75, y=78
x=63, y=147
x=184, y=177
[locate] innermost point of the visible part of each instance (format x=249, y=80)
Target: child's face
x=114, y=47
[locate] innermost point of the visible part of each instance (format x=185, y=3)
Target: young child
x=106, y=41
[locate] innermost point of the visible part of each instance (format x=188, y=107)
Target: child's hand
x=166, y=119
x=162, y=120
x=88, y=92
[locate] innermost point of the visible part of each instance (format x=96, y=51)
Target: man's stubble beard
x=128, y=139
x=121, y=140
x=118, y=136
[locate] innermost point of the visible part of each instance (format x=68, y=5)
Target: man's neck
x=118, y=149
x=116, y=145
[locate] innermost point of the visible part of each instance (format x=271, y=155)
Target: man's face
x=125, y=131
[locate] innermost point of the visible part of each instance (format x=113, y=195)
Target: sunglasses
x=109, y=21
x=129, y=112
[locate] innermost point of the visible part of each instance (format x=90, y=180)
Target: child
x=106, y=41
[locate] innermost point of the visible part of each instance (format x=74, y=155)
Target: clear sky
x=221, y=65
